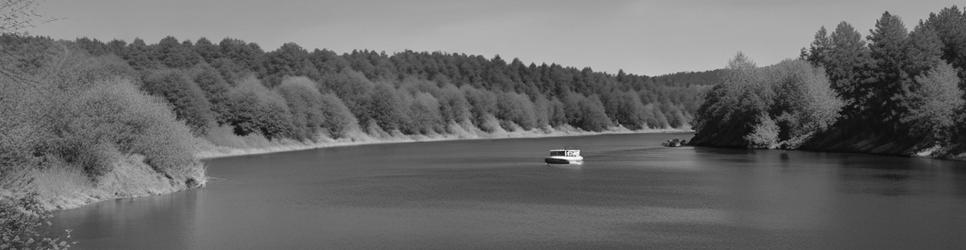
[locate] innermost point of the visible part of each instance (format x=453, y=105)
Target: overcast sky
x=644, y=37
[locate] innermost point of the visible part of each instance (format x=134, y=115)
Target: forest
x=893, y=91
x=86, y=120
x=93, y=106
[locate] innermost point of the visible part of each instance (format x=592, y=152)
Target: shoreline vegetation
x=893, y=92
x=214, y=151
x=137, y=180
x=86, y=120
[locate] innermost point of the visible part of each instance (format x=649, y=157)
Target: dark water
x=630, y=193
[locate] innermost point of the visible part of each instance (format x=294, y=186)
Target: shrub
x=304, y=103
x=114, y=118
x=731, y=108
x=557, y=112
x=424, y=114
x=629, y=110
x=255, y=109
x=80, y=113
x=804, y=102
x=653, y=117
x=453, y=104
x=515, y=108
x=783, y=104
x=541, y=110
x=337, y=120
x=187, y=100
x=933, y=103
x=21, y=222
x=594, y=118
x=215, y=88
x=387, y=108
x=764, y=134
x=585, y=113
x=482, y=104
x=353, y=88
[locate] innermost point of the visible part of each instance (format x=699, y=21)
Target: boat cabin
x=565, y=152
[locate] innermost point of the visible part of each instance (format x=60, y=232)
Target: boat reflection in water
x=564, y=156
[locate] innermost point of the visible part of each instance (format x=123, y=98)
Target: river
x=493, y=194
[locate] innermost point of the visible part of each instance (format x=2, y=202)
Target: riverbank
x=836, y=141
x=64, y=188
x=60, y=187
x=213, y=151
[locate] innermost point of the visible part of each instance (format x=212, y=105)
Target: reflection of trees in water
x=179, y=213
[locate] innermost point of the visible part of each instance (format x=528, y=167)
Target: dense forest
x=88, y=120
x=92, y=105
x=407, y=92
x=893, y=91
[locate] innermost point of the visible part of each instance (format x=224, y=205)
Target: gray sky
x=644, y=37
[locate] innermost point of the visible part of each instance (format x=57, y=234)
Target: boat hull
x=563, y=160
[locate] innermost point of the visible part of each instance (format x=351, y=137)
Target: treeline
x=64, y=108
x=87, y=103
x=893, y=91
x=294, y=93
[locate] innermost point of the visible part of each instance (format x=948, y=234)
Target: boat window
x=557, y=153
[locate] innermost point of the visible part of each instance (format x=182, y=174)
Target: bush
x=304, y=102
x=804, y=101
x=187, y=100
x=424, y=114
x=453, y=104
x=215, y=88
x=933, y=103
x=255, y=109
x=21, y=222
x=80, y=113
x=764, y=134
x=516, y=108
x=783, y=104
x=629, y=110
x=653, y=117
x=113, y=119
x=585, y=113
x=337, y=120
x=353, y=88
x=593, y=116
x=386, y=108
x=542, y=110
x=557, y=113
x=731, y=108
x=482, y=104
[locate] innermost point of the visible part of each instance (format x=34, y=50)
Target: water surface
x=630, y=193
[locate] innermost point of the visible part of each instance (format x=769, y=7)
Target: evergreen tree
x=923, y=50
x=888, y=77
x=846, y=66
x=818, y=52
x=950, y=26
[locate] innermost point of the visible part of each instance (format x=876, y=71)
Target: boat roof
x=565, y=150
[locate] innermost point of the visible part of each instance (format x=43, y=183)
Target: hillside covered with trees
x=893, y=91
x=94, y=108
x=407, y=92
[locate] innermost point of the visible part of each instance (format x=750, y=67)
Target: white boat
x=564, y=156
